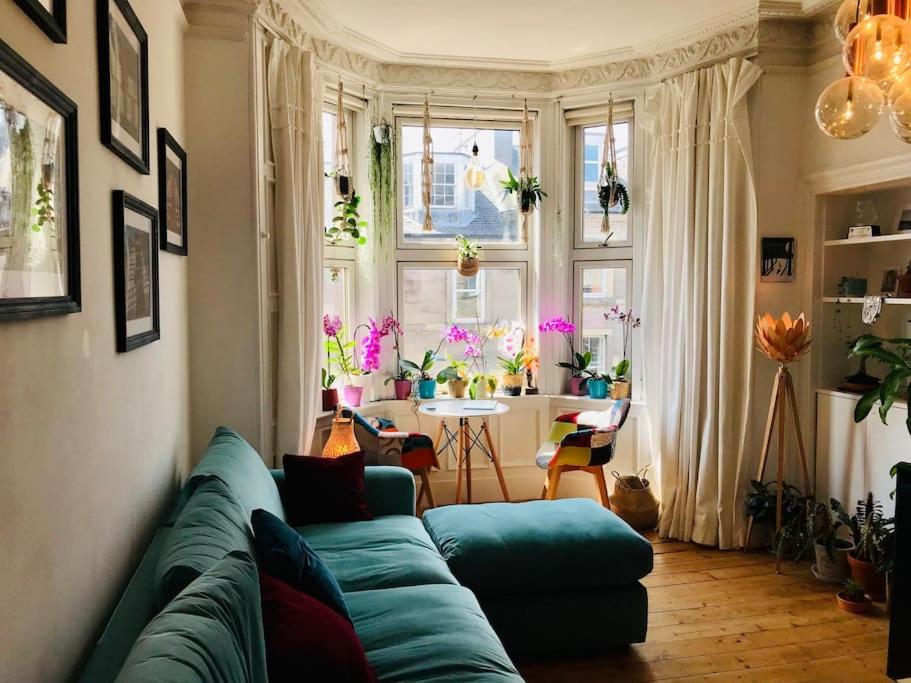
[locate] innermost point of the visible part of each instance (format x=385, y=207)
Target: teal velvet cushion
x=386, y=552
x=503, y=548
x=211, y=524
x=211, y=632
x=236, y=463
x=429, y=633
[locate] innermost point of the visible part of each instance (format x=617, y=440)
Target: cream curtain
x=699, y=282
x=295, y=92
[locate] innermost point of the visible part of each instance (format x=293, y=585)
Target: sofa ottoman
x=553, y=577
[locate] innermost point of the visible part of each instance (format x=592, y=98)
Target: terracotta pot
x=837, y=568
x=577, y=386
x=512, y=384
x=330, y=399
x=620, y=388
x=402, y=389
x=865, y=574
x=353, y=395
x=853, y=607
x=457, y=388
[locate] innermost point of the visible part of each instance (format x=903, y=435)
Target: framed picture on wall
x=123, y=70
x=172, y=193
x=50, y=15
x=39, y=194
x=135, y=272
x=777, y=264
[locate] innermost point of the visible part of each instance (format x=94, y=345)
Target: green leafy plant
x=467, y=250
x=853, y=591
x=328, y=379
x=44, y=207
x=455, y=370
x=613, y=192
x=621, y=369
x=515, y=365
x=761, y=502
x=823, y=523
x=871, y=531
x=578, y=366
x=528, y=190
x=347, y=223
x=489, y=380
x=795, y=539
x=423, y=369
x=342, y=354
x=381, y=175
x=896, y=355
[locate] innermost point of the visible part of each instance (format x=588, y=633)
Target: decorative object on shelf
x=474, y=177
x=872, y=309
x=784, y=341
x=381, y=176
x=633, y=500
x=123, y=69
x=532, y=365
x=39, y=194
x=866, y=219
x=852, y=287
x=904, y=283
x=612, y=191
x=852, y=598
x=49, y=15
x=863, y=231
x=904, y=220
x=172, y=193
x=135, y=272
x=526, y=187
x=514, y=378
x=469, y=261
x=874, y=37
x=777, y=260
x=455, y=375
x=342, y=440
x=427, y=169
x=860, y=382
x=621, y=387
x=873, y=536
x=578, y=363
x=889, y=284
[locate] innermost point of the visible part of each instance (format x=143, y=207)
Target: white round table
x=466, y=438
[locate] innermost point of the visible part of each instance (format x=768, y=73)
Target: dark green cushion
x=541, y=546
x=385, y=552
x=211, y=524
x=236, y=463
x=211, y=632
x=429, y=633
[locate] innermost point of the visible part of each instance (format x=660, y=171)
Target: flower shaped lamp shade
x=784, y=339
x=341, y=439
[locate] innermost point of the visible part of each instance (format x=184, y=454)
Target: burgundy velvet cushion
x=325, y=489
x=308, y=641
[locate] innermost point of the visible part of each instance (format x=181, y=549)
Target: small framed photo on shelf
x=777, y=264
x=889, y=286
x=172, y=193
x=861, y=231
x=904, y=220
x=135, y=272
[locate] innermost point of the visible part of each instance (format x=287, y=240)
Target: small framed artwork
x=172, y=193
x=123, y=70
x=39, y=194
x=889, y=286
x=49, y=15
x=777, y=264
x=135, y=272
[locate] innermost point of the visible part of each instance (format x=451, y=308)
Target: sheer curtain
x=295, y=93
x=699, y=283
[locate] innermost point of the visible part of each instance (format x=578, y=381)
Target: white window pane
x=483, y=214
x=335, y=292
x=603, y=287
x=434, y=298
x=592, y=157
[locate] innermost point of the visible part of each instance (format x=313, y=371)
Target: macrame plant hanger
x=525, y=167
x=343, y=184
x=427, y=168
x=608, y=168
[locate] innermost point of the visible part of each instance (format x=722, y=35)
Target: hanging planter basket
x=469, y=266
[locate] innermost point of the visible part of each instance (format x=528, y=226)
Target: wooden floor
x=725, y=616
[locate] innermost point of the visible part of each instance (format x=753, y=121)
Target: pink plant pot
x=402, y=389
x=353, y=395
x=577, y=386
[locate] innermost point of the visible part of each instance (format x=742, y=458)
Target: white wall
x=92, y=442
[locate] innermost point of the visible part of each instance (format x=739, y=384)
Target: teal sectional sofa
x=414, y=619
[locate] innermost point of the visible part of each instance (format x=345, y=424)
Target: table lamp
x=341, y=439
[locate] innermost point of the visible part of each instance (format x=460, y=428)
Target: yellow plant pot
x=512, y=384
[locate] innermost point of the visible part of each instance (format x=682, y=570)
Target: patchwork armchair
x=583, y=441
x=383, y=444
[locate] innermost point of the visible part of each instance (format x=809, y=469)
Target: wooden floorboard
x=727, y=616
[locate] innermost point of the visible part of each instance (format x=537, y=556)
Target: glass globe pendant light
x=849, y=15
x=878, y=49
x=899, y=99
x=475, y=177
x=849, y=107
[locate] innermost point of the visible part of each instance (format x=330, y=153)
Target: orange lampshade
x=783, y=340
x=341, y=439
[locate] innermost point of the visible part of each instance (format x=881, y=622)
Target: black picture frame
x=52, y=22
x=120, y=204
x=140, y=162
x=167, y=142
x=777, y=261
x=35, y=83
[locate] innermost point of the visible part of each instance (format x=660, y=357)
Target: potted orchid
x=578, y=362
x=332, y=325
x=402, y=379
x=455, y=374
x=514, y=378
x=427, y=385
x=342, y=353
x=621, y=387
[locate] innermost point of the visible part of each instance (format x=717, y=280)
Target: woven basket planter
x=469, y=266
x=634, y=502
x=620, y=388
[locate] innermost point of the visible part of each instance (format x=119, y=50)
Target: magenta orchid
x=332, y=325
x=577, y=364
x=558, y=324
x=371, y=347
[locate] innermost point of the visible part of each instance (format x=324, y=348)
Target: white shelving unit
x=892, y=301
x=895, y=237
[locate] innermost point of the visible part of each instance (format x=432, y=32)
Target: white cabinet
x=852, y=458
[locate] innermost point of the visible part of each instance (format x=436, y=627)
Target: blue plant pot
x=427, y=388
x=597, y=388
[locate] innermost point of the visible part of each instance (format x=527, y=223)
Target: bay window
x=589, y=214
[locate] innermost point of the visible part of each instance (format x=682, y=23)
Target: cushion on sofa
x=325, y=489
x=236, y=463
x=511, y=549
x=210, y=525
x=429, y=633
x=306, y=640
x=212, y=631
x=387, y=552
x=285, y=555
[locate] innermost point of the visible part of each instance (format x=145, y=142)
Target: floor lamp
x=783, y=340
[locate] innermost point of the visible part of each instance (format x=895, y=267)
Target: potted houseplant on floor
x=455, y=375
x=577, y=363
x=760, y=505
x=795, y=539
x=427, y=385
x=469, y=261
x=852, y=598
x=831, y=551
x=621, y=387
x=870, y=530
x=514, y=376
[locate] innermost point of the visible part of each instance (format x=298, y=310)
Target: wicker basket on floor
x=633, y=500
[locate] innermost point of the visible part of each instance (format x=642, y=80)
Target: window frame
x=330, y=107
x=479, y=289
x=578, y=183
x=418, y=244
x=581, y=264
x=350, y=269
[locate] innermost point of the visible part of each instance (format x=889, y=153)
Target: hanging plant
x=347, y=223
x=469, y=263
x=527, y=188
x=612, y=193
x=381, y=173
